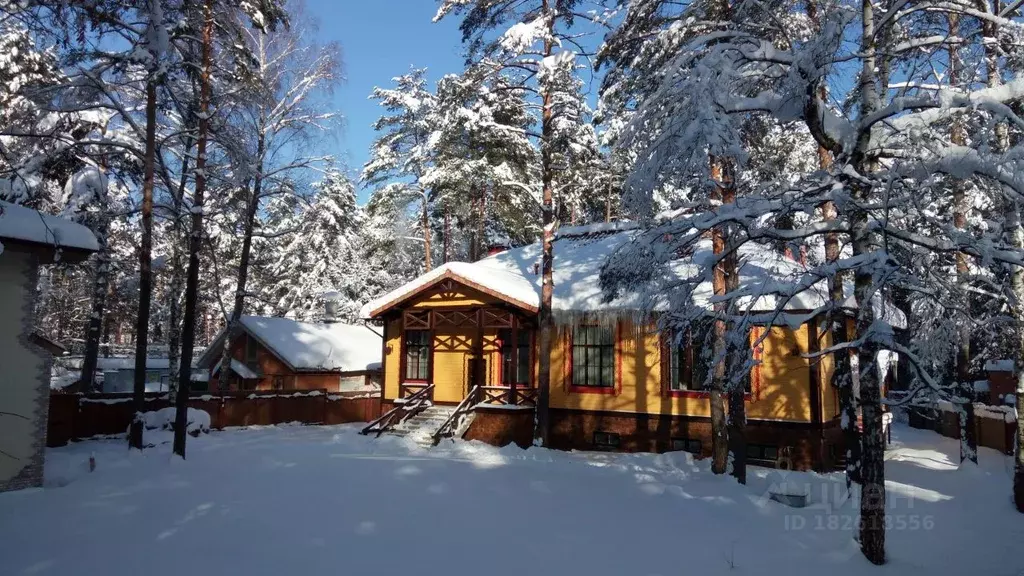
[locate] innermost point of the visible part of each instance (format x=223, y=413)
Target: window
x=691, y=360
x=278, y=383
x=690, y=445
x=606, y=440
x=417, y=354
x=593, y=357
x=520, y=373
x=764, y=452
x=247, y=383
x=250, y=350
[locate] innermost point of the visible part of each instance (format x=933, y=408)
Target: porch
x=475, y=355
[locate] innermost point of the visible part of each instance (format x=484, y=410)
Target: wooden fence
x=991, y=427
x=77, y=416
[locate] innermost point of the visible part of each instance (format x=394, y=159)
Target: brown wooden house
x=284, y=354
x=466, y=334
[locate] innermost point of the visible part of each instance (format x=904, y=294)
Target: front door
x=477, y=375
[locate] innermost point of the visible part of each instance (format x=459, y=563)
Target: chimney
x=332, y=307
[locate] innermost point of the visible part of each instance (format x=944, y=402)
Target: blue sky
x=380, y=40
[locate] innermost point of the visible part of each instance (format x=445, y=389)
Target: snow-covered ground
x=324, y=500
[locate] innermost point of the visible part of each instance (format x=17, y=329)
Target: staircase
x=421, y=427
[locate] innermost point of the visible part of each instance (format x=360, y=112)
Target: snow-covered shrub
x=163, y=419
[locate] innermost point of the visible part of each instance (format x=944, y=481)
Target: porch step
x=423, y=425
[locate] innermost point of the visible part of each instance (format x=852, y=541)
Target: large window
x=691, y=359
x=520, y=371
x=593, y=356
x=417, y=354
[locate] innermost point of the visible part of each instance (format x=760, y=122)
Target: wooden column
x=478, y=346
x=515, y=361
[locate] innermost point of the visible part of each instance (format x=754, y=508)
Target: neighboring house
x=285, y=354
x=28, y=239
x=616, y=382
x=117, y=374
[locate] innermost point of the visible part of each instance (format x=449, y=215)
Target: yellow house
x=465, y=335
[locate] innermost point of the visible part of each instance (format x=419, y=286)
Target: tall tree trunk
x=1015, y=231
x=177, y=277
x=965, y=387
x=546, y=320
x=608, y=203
x=736, y=424
x=721, y=173
x=719, y=425
x=145, y=268
x=94, y=326
x=446, y=239
x=107, y=323
x=842, y=373
x=872, y=505
x=481, y=222
x=425, y=222
x=242, y=280
x=195, y=240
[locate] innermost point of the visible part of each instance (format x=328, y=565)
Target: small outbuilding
x=28, y=240
x=269, y=353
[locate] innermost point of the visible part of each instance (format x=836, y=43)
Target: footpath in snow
x=324, y=500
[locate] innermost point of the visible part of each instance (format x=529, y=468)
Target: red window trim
x=616, y=388
x=501, y=361
x=403, y=359
x=755, y=372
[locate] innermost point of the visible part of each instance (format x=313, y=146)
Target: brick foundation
x=501, y=427
x=808, y=444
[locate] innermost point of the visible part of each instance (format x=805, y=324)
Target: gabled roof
x=309, y=346
x=505, y=285
x=579, y=254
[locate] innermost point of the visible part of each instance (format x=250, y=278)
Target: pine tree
x=326, y=254
x=400, y=156
x=528, y=44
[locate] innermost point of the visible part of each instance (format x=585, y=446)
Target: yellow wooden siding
x=783, y=392
x=826, y=371
x=392, y=359
x=453, y=348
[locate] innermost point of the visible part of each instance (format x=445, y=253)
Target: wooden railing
x=503, y=395
x=454, y=422
x=408, y=390
x=408, y=408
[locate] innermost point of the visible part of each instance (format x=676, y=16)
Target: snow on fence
x=994, y=426
x=77, y=416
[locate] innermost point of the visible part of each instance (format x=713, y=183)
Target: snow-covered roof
x=331, y=347
x=580, y=252
x=18, y=223
x=504, y=283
